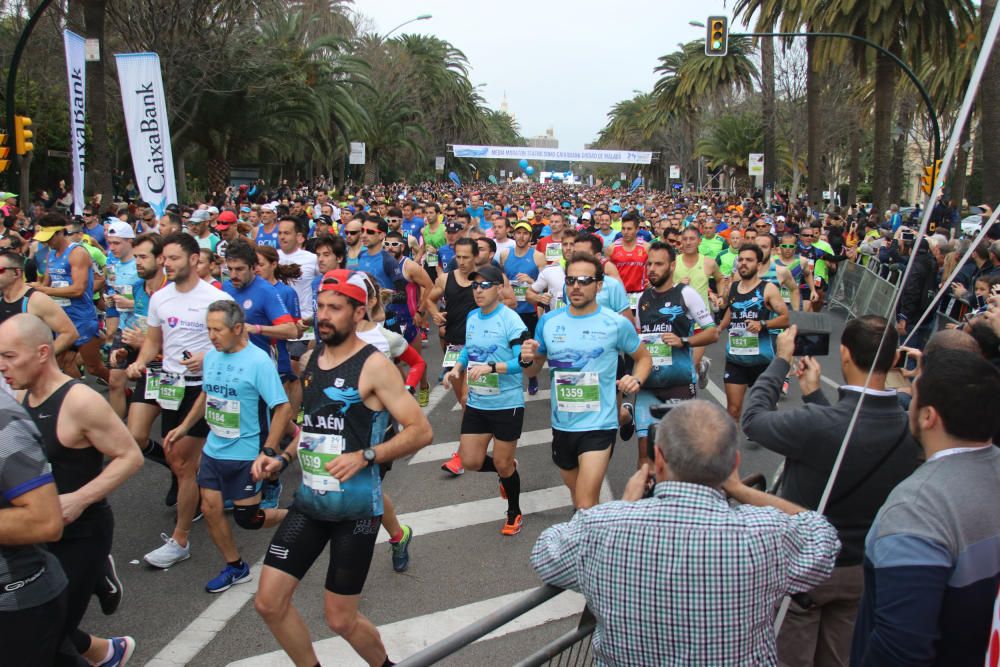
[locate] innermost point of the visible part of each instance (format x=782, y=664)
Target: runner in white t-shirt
x=291, y=236
x=176, y=327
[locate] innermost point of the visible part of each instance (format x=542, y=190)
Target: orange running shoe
x=512, y=527
x=453, y=465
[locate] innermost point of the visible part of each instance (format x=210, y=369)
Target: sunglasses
x=583, y=281
x=352, y=232
x=369, y=231
x=393, y=244
x=484, y=284
x=787, y=245
x=393, y=219
x=5, y=269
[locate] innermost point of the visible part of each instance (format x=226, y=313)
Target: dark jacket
x=918, y=291
x=880, y=455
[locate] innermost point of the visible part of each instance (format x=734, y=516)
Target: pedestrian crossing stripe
x=542, y=395
x=444, y=450
x=406, y=637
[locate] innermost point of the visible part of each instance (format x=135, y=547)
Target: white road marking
x=437, y=393
x=183, y=648
x=542, y=395
x=444, y=450
x=404, y=638
x=717, y=394
x=829, y=381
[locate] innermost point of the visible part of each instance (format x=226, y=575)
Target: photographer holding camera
x=682, y=578
x=881, y=453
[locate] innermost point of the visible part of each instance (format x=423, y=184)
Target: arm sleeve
x=779, y=431
x=700, y=313
x=417, y=365
x=463, y=356
x=911, y=576
x=556, y=554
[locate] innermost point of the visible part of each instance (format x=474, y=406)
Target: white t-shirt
x=551, y=279
x=506, y=244
x=302, y=285
x=389, y=343
x=181, y=318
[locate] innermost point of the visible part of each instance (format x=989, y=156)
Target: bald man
x=79, y=429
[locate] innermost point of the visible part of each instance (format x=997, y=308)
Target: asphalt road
x=461, y=567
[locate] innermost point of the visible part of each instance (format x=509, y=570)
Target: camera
x=658, y=412
x=813, y=336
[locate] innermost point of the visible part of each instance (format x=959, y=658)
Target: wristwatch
x=369, y=455
x=522, y=364
x=685, y=340
x=493, y=367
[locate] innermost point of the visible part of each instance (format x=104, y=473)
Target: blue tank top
x=521, y=264
x=264, y=238
x=742, y=347
x=79, y=308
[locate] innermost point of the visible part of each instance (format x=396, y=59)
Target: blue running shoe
x=122, y=649
x=227, y=505
x=401, y=551
x=272, y=494
x=229, y=577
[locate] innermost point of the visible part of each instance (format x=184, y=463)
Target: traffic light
x=4, y=153
x=717, y=39
x=930, y=175
x=23, y=135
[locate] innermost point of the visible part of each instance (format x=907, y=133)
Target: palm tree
x=920, y=29
x=729, y=141
x=393, y=127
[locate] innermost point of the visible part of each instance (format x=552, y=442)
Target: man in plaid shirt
x=682, y=578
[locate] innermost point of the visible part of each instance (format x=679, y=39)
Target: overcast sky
x=562, y=63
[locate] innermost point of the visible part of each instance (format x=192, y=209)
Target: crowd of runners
x=264, y=331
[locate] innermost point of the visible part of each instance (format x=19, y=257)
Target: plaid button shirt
x=684, y=579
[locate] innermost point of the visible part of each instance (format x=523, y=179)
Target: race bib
x=308, y=334
x=742, y=343
x=633, y=300
x=315, y=451
x=786, y=294
x=486, y=385
x=125, y=291
x=171, y=391
x=61, y=301
x=553, y=253
x=152, y=385
x=520, y=291
x=558, y=303
x=141, y=323
x=577, y=392
x=451, y=356
x=662, y=353
x=432, y=259
x=223, y=416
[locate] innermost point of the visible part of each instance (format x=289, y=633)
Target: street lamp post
x=422, y=17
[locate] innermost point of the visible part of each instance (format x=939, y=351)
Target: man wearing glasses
x=495, y=409
x=581, y=344
x=352, y=239
x=94, y=227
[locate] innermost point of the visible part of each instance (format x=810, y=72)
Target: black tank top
x=458, y=302
x=333, y=412
x=12, y=308
x=71, y=468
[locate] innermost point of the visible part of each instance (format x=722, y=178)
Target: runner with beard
x=347, y=385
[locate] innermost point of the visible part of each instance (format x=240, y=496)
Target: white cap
x=270, y=206
x=213, y=210
x=122, y=230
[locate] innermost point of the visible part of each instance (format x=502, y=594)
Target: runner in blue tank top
x=522, y=264
x=754, y=307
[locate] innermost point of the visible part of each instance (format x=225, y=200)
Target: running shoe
x=228, y=505
x=401, y=550
x=169, y=554
x=271, y=496
x=627, y=430
x=229, y=577
x=703, y=367
x=512, y=526
x=784, y=387
x=171, y=498
x=453, y=465
x=503, y=491
x=109, y=589
x=423, y=396
x=122, y=649
x=532, y=386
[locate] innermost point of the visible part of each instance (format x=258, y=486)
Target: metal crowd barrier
x=867, y=288
x=575, y=643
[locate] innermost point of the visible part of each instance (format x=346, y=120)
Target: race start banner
x=76, y=74
x=145, y=109
x=529, y=153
